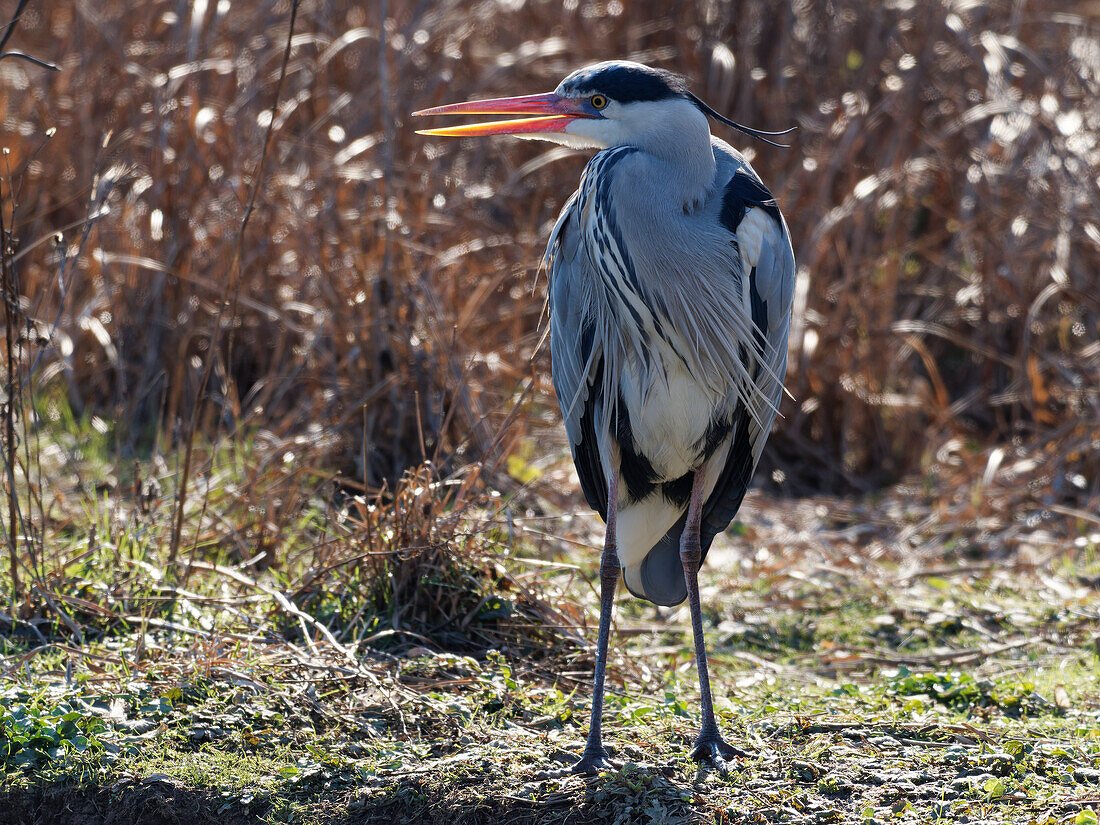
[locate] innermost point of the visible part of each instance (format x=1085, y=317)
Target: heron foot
x=592, y=762
x=716, y=751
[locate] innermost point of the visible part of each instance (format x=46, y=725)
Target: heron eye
x=598, y=101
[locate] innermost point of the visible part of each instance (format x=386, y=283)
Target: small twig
x=1073, y=512
x=758, y=661
x=947, y=570
x=68, y=621
x=954, y=657
x=45, y=64
x=924, y=743
x=17, y=622
x=194, y=631
x=23, y=658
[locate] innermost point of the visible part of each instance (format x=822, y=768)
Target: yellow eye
x=598, y=101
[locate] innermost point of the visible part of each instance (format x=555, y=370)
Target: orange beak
x=552, y=114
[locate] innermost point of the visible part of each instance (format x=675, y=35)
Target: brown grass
x=941, y=192
x=406, y=575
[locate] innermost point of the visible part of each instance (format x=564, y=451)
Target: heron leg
x=595, y=756
x=709, y=745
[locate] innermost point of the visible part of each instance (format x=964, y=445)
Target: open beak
x=552, y=114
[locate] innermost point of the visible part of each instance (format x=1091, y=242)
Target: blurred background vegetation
x=381, y=305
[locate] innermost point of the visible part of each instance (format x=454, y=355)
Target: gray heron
x=671, y=281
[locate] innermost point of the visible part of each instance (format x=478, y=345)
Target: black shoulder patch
x=634, y=468
x=625, y=82
x=743, y=192
x=732, y=483
x=586, y=454
x=759, y=315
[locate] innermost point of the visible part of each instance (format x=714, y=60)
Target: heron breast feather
x=670, y=417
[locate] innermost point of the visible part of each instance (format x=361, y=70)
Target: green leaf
x=994, y=788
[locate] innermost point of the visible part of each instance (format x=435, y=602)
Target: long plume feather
x=759, y=134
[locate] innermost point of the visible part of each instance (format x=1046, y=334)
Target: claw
x=716, y=751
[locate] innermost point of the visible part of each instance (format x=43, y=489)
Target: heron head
x=614, y=103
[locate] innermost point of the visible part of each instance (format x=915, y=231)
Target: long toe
x=716, y=751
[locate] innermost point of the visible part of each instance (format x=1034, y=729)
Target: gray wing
x=771, y=291
x=577, y=366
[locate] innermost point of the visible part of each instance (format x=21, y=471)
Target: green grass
x=1014, y=737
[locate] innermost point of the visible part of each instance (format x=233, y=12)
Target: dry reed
x=942, y=196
